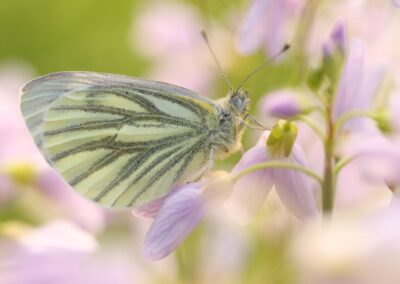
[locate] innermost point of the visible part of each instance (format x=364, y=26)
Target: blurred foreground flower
x=82, y=211
x=293, y=187
x=60, y=252
x=396, y=3
x=180, y=212
x=350, y=249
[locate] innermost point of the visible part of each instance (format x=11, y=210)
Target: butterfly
x=123, y=141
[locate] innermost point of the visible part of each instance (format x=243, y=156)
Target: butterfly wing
x=118, y=140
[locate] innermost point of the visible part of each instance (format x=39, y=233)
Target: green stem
x=351, y=115
x=278, y=164
x=342, y=163
x=328, y=185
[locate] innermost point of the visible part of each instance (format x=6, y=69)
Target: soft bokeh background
x=49, y=234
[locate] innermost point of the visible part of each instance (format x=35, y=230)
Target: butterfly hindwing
x=119, y=141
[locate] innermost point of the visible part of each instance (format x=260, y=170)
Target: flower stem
x=328, y=184
x=278, y=164
x=343, y=163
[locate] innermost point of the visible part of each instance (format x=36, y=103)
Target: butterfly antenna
x=251, y=126
x=205, y=37
x=255, y=71
x=254, y=120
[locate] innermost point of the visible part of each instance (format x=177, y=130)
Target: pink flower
x=60, y=252
x=179, y=213
x=281, y=104
x=16, y=144
x=294, y=188
x=266, y=24
x=169, y=33
x=358, y=84
x=379, y=158
x=75, y=207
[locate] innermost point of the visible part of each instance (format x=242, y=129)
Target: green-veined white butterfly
x=122, y=141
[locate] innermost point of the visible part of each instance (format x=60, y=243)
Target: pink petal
x=381, y=158
x=276, y=26
x=295, y=188
x=83, y=211
x=151, y=209
x=178, y=216
x=396, y=3
x=252, y=30
x=281, y=104
x=250, y=191
x=351, y=79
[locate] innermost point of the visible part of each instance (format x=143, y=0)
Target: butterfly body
x=124, y=142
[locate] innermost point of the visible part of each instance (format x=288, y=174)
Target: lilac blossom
x=294, y=188
x=61, y=252
x=281, y=104
x=379, y=158
x=16, y=142
x=351, y=248
x=266, y=24
x=179, y=214
x=74, y=207
x=169, y=33
x=358, y=84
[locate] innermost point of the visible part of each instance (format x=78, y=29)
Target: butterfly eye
x=236, y=102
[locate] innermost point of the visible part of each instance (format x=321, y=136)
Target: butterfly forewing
x=118, y=140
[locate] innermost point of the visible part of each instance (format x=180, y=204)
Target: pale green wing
x=118, y=140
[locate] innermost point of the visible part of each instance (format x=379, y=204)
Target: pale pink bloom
x=16, y=143
x=358, y=85
x=379, y=158
x=180, y=213
x=294, y=188
x=169, y=33
x=267, y=24
x=350, y=248
x=79, y=209
x=396, y=3
x=281, y=104
x=60, y=252
x=178, y=216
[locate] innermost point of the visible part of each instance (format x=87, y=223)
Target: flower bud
x=281, y=104
x=338, y=36
x=282, y=138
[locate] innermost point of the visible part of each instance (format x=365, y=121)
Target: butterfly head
x=239, y=101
